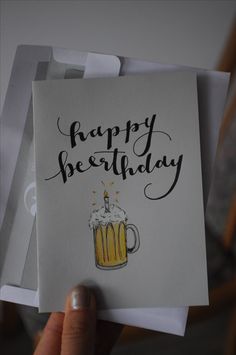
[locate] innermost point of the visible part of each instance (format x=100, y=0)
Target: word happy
x=115, y=160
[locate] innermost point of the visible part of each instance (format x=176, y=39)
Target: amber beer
x=110, y=237
x=111, y=244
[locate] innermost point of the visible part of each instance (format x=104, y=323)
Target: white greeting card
x=119, y=190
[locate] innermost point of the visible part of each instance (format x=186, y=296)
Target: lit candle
x=106, y=201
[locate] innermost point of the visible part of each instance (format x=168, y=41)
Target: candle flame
x=106, y=194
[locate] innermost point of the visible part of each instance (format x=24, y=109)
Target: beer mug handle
x=136, y=238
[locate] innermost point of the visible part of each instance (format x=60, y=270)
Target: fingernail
x=80, y=298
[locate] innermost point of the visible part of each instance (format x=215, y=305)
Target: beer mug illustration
x=109, y=225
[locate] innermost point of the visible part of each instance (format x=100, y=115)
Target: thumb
x=78, y=334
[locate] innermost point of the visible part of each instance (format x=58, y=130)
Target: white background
x=178, y=32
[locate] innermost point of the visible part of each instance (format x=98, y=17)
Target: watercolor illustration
x=109, y=226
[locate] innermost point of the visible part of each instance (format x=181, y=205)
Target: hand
x=76, y=332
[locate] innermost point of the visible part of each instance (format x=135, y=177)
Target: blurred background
x=194, y=33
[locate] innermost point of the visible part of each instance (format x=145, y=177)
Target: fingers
x=50, y=342
x=78, y=334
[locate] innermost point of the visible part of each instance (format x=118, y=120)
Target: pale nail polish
x=80, y=298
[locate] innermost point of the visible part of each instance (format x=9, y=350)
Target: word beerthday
x=116, y=160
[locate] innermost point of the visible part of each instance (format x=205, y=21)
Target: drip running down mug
x=110, y=243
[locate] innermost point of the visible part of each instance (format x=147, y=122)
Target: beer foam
x=102, y=217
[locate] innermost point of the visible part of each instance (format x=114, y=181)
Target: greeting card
x=119, y=190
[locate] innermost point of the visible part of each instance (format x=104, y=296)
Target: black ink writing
x=117, y=161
